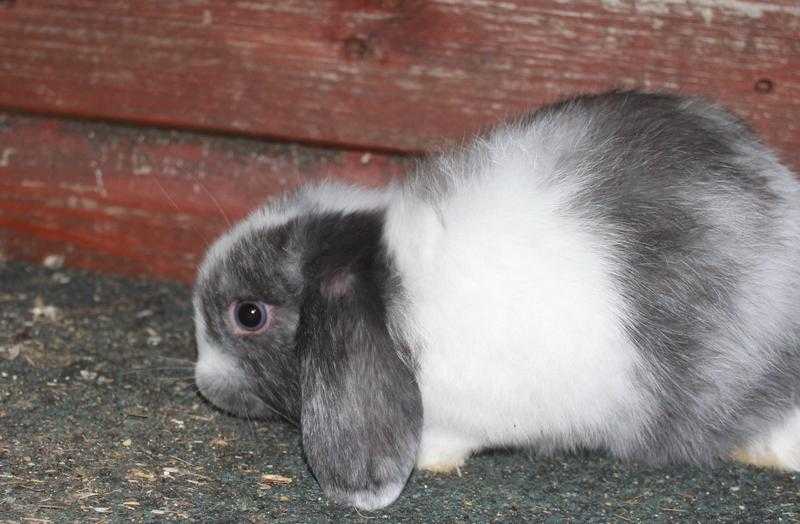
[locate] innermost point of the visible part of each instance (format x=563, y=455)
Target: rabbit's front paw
x=442, y=454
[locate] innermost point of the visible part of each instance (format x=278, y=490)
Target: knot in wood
x=764, y=86
x=356, y=48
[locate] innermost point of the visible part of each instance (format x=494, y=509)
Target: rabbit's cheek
x=222, y=380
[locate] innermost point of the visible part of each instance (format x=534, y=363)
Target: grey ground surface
x=99, y=421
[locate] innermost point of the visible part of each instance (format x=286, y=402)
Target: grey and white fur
x=617, y=271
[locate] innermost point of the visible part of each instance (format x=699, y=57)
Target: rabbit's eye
x=250, y=316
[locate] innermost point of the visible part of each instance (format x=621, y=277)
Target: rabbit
x=617, y=271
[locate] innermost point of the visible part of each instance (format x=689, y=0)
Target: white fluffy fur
x=502, y=244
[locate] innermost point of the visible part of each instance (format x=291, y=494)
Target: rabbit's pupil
x=251, y=315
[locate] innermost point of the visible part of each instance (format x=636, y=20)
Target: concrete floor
x=99, y=421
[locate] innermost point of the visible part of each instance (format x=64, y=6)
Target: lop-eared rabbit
x=617, y=272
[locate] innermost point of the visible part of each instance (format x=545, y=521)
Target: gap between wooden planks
x=399, y=75
x=145, y=202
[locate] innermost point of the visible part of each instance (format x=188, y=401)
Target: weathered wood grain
x=144, y=201
x=390, y=74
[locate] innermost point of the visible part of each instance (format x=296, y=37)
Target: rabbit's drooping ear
x=361, y=412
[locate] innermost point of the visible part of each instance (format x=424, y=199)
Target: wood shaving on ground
x=10, y=352
x=53, y=261
x=41, y=310
x=269, y=479
x=136, y=474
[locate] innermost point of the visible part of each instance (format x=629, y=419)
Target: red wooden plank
x=144, y=201
x=397, y=74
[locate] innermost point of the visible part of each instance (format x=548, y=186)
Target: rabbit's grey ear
x=361, y=413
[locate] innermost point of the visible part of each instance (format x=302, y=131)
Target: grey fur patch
x=361, y=406
x=682, y=189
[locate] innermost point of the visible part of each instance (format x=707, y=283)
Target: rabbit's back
x=616, y=271
x=709, y=243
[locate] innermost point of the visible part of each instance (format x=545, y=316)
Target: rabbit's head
x=292, y=321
